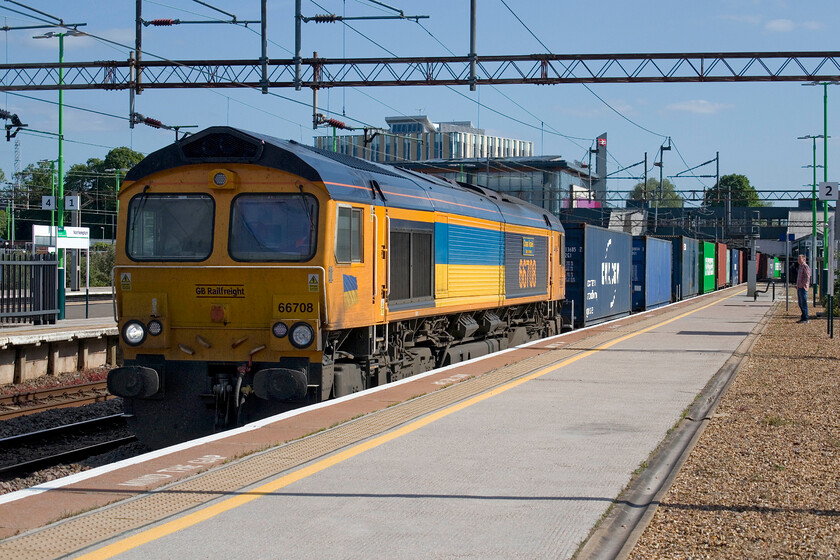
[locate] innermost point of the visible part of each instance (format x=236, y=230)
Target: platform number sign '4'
x=828, y=190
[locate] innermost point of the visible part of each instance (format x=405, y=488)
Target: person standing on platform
x=803, y=280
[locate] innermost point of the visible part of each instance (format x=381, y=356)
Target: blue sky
x=753, y=126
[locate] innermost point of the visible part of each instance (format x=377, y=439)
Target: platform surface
x=523, y=470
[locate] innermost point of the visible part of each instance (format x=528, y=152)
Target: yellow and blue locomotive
x=255, y=275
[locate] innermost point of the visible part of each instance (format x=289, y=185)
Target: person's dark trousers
x=802, y=296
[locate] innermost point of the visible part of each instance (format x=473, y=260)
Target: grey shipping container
x=598, y=272
x=685, y=276
x=652, y=260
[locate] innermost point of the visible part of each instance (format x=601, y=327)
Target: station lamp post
x=814, y=166
x=662, y=148
x=60, y=199
x=825, y=138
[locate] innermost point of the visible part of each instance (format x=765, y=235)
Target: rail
x=54, y=441
x=31, y=402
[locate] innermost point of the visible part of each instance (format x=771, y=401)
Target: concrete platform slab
x=525, y=469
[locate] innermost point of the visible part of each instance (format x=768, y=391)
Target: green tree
x=96, y=185
x=34, y=183
x=4, y=224
x=667, y=198
x=740, y=191
x=101, y=264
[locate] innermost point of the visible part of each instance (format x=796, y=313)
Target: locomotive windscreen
x=273, y=227
x=170, y=227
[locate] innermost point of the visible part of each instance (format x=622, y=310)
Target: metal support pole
x=264, y=34
x=298, y=19
x=787, y=273
x=813, y=252
x=825, y=178
x=472, y=45
x=644, y=185
x=60, y=202
x=133, y=79
x=728, y=222
x=138, y=48
x=314, y=96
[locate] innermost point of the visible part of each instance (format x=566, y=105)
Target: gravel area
x=60, y=417
x=49, y=381
x=763, y=480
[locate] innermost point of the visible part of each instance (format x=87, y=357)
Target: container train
x=255, y=275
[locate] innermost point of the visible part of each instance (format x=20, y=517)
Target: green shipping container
x=707, y=267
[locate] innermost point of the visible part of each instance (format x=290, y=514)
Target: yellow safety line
x=209, y=512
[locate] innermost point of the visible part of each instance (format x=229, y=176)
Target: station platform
x=519, y=454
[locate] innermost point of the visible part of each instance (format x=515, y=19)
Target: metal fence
x=28, y=289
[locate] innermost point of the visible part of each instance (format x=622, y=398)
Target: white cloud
x=774, y=25
x=780, y=26
x=698, y=106
x=749, y=20
x=812, y=25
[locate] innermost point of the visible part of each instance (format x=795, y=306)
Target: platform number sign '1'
x=828, y=190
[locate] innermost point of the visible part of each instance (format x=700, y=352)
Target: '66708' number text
x=295, y=307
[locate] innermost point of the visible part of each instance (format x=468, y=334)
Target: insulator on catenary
x=154, y=123
x=324, y=18
x=5, y=114
x=162, y=22
x=335, y=123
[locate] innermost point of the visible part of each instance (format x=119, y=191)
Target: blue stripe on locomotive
x=464, y=245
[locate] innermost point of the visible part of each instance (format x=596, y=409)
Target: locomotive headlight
x=301, y=335
x=154, y=327
x=134, y=333
x=279, y=329
x=219, y=179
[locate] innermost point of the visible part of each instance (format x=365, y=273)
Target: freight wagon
x=652, y=265
x=685, y=277
x=598, y=273
x=706, y=270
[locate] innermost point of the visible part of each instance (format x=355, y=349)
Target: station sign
x=73, y=238
x=61, y=237
x=828, y=190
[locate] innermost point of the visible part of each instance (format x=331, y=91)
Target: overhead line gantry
x=537, y=69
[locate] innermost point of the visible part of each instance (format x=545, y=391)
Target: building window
x=348, y=237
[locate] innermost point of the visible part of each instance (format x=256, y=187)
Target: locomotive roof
x=346, y=178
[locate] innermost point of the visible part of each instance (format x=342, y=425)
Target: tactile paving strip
x=77, y=533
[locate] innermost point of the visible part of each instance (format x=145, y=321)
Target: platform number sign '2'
x=828, y=190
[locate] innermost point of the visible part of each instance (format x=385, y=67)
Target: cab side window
x=348, y=238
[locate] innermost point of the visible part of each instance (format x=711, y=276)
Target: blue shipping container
x=652, y=259
x=598, y=271
x=684, y=281
x=734, y=263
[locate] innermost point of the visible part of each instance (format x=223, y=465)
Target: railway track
x=39, y=400
x=26, y=453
